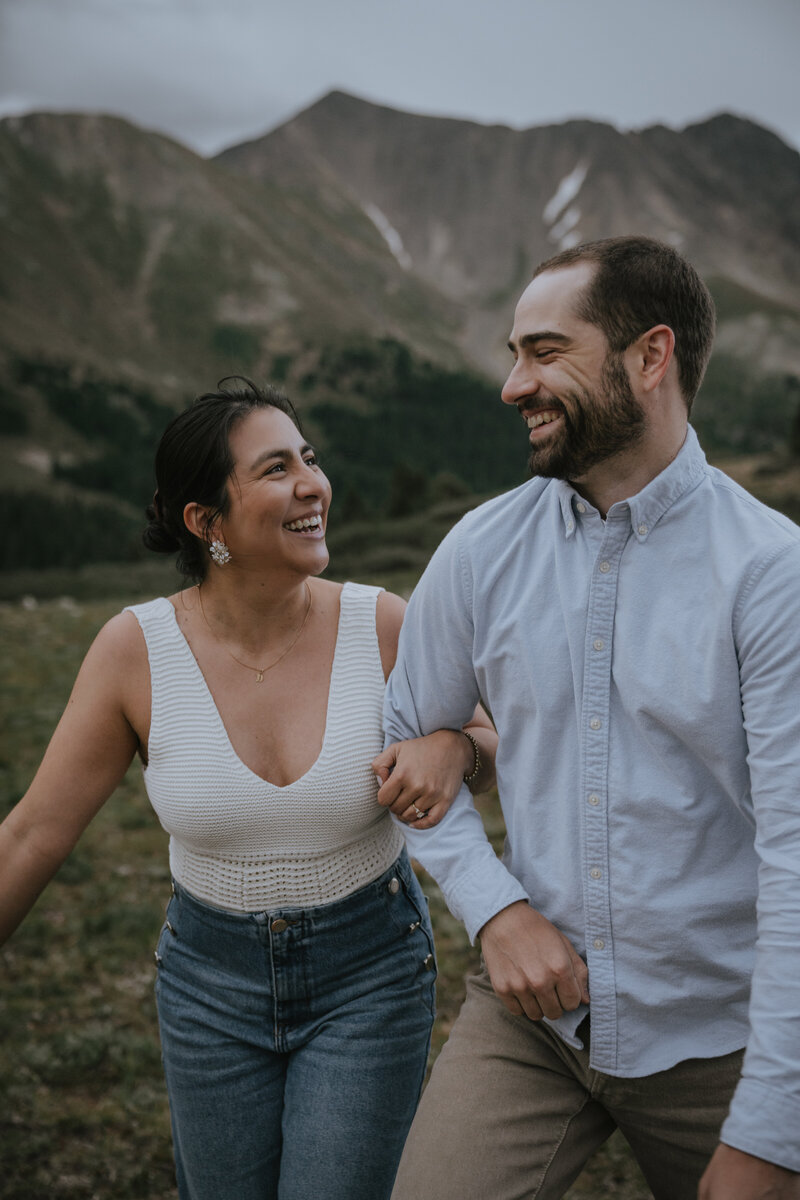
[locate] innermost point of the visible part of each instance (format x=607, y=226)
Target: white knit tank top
x=237, y=841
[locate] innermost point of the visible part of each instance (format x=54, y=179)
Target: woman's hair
x=194, y=462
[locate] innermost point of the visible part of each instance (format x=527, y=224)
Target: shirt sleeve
x=433, y=686
x=764, y=1118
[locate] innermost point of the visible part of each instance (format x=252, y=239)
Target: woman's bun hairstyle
x=156, y=536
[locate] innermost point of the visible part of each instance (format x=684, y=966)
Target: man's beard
x=596, y=426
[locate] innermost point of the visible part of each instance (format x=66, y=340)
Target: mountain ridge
x=367, y=259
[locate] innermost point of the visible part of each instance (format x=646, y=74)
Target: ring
x=418, y=811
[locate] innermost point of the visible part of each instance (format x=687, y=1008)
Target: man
x=630, y=618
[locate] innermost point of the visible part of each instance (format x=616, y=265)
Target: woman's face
x=278, y=497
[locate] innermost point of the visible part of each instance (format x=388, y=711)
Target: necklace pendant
x=259, y=676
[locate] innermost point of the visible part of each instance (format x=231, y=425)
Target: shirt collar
x=648, y=506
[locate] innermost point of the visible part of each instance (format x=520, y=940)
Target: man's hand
x=534, y=969
x=734, y=1175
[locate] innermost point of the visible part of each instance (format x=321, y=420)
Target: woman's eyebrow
x=266, y=455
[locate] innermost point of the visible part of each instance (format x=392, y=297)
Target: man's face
x=572, y=391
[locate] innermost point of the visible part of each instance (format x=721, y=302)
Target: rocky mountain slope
x=369, y=260
x=471, y=208
x=123, y=248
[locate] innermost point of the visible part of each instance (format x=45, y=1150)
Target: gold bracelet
x=477, y=764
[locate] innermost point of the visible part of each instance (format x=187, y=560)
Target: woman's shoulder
x=123, y=637
x=118, y=651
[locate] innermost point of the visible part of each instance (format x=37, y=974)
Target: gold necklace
x=259, y=671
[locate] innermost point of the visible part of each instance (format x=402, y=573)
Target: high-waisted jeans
x=295, y=1041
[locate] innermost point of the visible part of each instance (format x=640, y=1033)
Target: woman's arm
x=424, y=775
x=86, y=759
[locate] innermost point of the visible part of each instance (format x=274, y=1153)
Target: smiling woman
x=296, y=929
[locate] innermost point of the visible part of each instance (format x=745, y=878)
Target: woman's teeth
x=312, y=523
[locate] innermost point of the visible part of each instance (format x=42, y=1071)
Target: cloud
x=214, y=73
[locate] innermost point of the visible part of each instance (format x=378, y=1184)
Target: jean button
x=429, y=962
x=279, y=925
x=394, y=885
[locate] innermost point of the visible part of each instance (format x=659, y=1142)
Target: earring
x=219, y=552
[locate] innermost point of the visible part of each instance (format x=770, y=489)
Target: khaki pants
x=513, y=1113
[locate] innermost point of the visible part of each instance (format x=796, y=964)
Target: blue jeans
x=295, y=1041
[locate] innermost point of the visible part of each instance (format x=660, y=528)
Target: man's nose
x=522, y=381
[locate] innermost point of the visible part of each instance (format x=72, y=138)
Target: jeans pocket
x=418, y=930
x=168, y=933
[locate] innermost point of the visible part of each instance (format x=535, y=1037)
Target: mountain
x=123, y=248
x=368, y=260
x=472, y=208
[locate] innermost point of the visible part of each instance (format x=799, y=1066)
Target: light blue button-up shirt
x=643, y=673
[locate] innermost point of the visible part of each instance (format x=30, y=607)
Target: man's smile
x=542, y=418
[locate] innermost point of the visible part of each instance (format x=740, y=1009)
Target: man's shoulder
x=521, y=502
x=750, y=517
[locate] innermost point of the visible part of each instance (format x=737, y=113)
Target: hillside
x=123, y=249
x=473, y=207
x=368, y=260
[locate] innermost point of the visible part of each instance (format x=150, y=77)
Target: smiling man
x=629, y=617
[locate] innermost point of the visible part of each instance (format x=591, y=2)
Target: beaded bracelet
x=477, y=764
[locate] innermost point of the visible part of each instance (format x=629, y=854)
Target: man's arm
x=533, y=968
x=764, y=1120
x=433, y=686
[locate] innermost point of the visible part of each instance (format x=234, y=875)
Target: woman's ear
x=196, y=520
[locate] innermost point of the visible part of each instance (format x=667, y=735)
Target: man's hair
x=639, y=282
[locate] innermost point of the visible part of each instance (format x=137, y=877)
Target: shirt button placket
x=596, y=731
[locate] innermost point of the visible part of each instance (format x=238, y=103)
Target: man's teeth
x=306, y=523
x=542, y=418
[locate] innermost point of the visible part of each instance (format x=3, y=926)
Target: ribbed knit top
x=238, y=841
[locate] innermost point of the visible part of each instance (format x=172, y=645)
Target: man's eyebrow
x=266, y=455
x=543, y=335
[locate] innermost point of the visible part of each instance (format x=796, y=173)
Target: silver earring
x=219, y=552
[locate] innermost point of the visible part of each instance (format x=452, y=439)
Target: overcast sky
x=215, y=72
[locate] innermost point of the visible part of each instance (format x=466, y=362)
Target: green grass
x=83, y=1111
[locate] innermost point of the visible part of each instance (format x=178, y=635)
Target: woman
x=295, y=982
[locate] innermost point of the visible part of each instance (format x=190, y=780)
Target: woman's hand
x=421, y=777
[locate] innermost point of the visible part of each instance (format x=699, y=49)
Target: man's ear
x=196, y=520
x=650, y=356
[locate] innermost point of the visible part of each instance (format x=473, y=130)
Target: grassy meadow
x=83, y=1110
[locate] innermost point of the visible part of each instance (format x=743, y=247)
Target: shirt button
x=394, y=885
x=599, y=944
x=581, y=507
x=642, y=530
x=595, y=723
x=598, y=643
x=279, y=925
x=594, y=800
x=605, y=567
x=570, y=526
x=596, y=873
